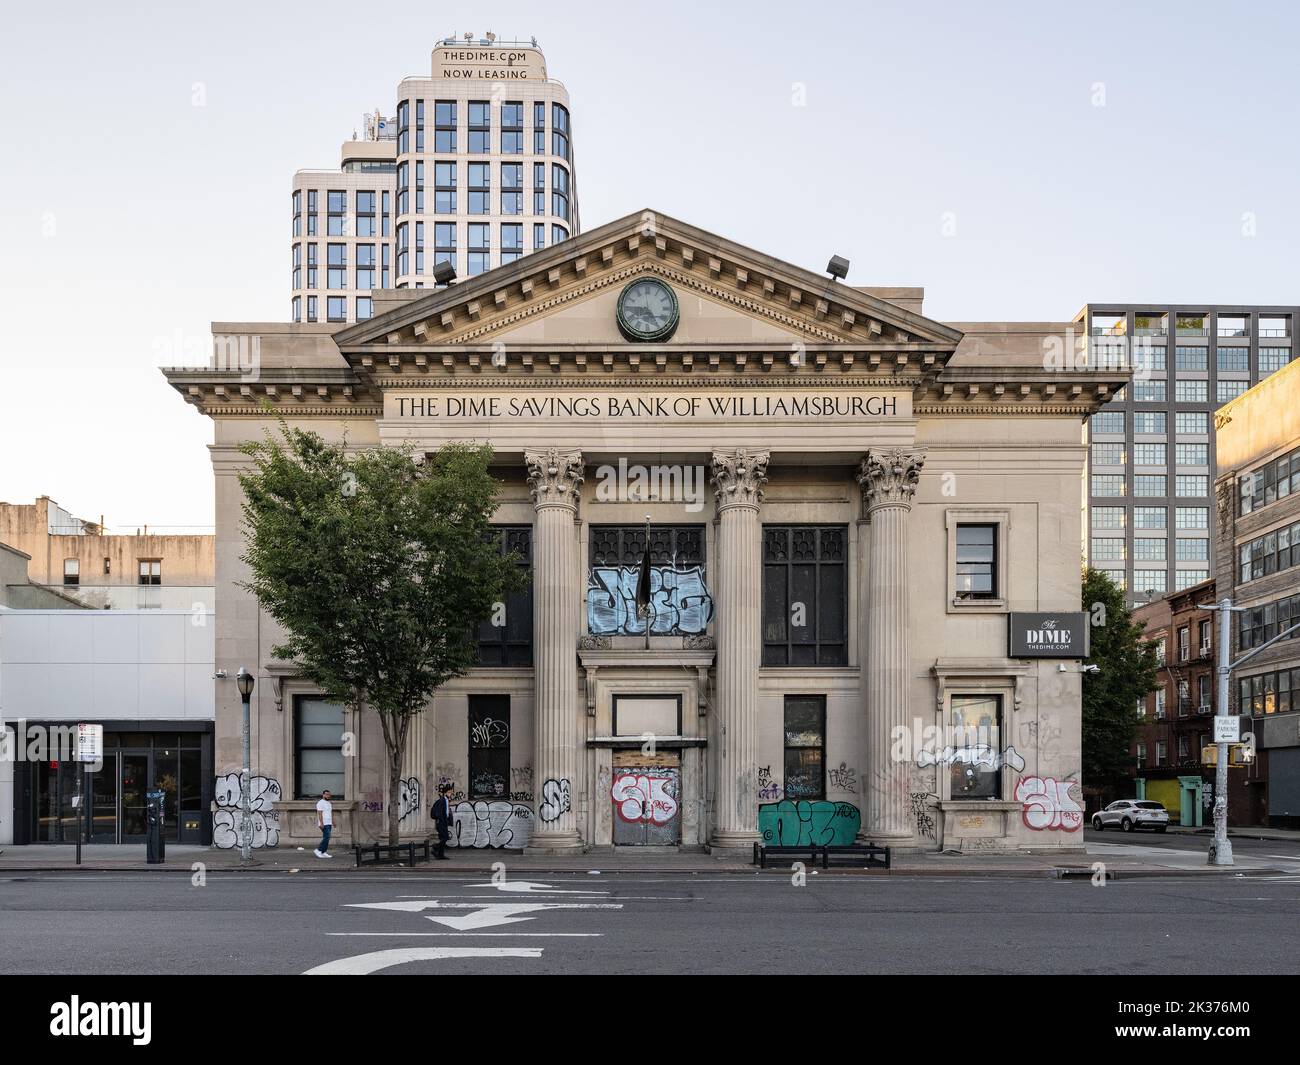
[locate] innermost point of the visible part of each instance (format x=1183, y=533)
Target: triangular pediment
x=730, y=297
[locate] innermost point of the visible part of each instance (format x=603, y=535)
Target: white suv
x=1130, y=814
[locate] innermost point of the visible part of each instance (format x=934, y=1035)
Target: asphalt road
x=259, y=923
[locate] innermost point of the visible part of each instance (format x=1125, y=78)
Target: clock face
x=647, y=310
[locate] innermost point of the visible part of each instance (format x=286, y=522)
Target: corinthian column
x=888, y=479
x=738, y=479
x=554, y=480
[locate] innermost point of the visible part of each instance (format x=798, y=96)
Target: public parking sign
x=90, y=743
x=1227, y=729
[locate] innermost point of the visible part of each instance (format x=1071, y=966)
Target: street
x=406, y=923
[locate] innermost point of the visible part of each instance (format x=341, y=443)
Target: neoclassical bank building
x=852, y=510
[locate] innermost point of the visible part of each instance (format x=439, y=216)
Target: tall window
x=337, y=218
x=313, y=265
x=311, y=212
x=318, y=747
x=975, y=720
x=71, y=571
x=444, y=188
x=480, y=188
x=479, y=248
x=336, y=309
x=506, y=637
x=365, y=214
x=150, y=571
x=512, y=188
x=559, y=191
x=539, y=188
x=512, y=241
x=977, y=576
x=489, y=746
x=805, y=595
x=559, y=131
x=805, y=746
x=297, y=212
x=444, y=126
x=539, y=128
x=512, y=128
x=480, y=127
x=444, y=242
x=337, y=266
x=365, y=266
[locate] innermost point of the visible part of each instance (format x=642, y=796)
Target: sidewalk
x=1120, y=860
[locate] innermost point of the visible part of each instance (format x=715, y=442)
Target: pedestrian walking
x=325, y=822
x=442, y=820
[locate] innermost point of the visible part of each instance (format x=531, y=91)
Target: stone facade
x=809, y=634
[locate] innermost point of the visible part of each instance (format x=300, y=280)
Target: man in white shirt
x=325, y=822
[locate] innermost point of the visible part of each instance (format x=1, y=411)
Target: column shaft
x=555, y=478
x=738, y=478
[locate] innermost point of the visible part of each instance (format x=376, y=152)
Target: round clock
x=647, y=310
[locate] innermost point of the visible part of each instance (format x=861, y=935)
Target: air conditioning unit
x=1205, y=650
x=1205, y=708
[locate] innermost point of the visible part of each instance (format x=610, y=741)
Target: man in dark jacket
x=442, y=820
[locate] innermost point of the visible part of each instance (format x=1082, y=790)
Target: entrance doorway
x=116, y=795
x=646, y=793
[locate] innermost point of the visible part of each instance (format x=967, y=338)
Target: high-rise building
x=476, y=169
x=1151, y=511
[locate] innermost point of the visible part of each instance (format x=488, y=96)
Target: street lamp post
x=244, y=680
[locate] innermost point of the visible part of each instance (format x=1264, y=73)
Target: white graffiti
x=263, y=793
x=644, y=798
x=490, y=824
x=408, y=798
x=555, y=800
x=980, y=755
x=226, y=825
x=1048, y=804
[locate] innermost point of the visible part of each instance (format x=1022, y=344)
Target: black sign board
x=1051, y=635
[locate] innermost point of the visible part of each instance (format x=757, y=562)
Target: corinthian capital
x=738, y=477
x=888, y=478
x=554, y=477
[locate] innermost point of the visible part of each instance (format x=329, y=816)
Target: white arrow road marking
x=533, y=885
x=497, y=913
x=480, y=935
x=382, y=959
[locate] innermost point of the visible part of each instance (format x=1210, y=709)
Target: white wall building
x=146, y=677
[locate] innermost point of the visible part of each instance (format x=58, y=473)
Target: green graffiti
x=796, y=823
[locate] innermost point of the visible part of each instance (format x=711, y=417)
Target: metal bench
x=391, y=854
x=865, y=854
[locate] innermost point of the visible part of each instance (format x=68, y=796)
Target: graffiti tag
x=680, y=602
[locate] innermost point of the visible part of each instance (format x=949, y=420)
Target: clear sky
x=1016, y=159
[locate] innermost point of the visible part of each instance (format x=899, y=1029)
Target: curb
x=1040, y=872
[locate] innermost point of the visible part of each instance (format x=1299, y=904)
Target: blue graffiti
x=679, y=601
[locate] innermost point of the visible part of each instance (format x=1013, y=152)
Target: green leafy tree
x=1126, y=671
x=378, y=567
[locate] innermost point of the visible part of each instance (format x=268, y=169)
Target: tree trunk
x=395, y=741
